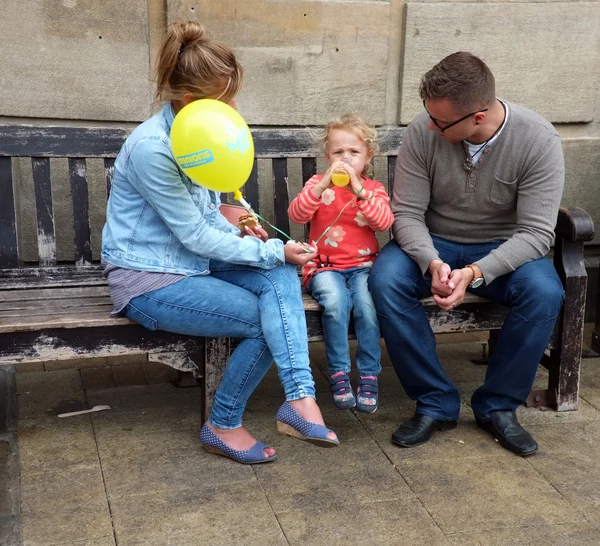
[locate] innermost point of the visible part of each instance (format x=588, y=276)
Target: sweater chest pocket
x=503, y=192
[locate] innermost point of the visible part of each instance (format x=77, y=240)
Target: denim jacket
x=157, y=219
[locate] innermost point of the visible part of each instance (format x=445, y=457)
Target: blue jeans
x=533, y=293
x=264, y=306
x=339, y=293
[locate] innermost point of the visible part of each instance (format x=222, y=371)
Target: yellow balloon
x=213, y=145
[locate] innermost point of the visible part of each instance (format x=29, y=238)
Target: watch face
x=476, y=283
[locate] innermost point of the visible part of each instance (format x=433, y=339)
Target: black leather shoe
x=510, y=434
x=418, y=429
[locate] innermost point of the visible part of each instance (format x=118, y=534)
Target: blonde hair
x=353, y=124
x=189, y=62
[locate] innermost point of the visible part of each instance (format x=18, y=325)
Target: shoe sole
x=485, y=427
x=344, y=405
x=288, y=430
x=366, y=409
x=217, y=451
x=441, y=427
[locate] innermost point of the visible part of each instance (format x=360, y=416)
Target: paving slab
x=590, y=381
x=136, y=464
x=148, y=408
x=466, y=441
x=389, y=522
x=46, y=446
x=467, y=495
x=42, y=394
x=580, y=534
x=568, y=459
x=63, y=507
x=217, y=515
x=307, y=476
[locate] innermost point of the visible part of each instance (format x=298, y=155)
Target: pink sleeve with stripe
x=305, y=204
x=377, y=211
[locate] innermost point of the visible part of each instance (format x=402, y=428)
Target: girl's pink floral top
x=350, y=241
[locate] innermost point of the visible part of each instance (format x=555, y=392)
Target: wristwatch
x=478, y=279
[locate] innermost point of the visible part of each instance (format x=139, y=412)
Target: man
x=477, y=189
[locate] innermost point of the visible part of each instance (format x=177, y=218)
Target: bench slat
x=81, y=216
x=309, y=169
x=251, y=192
x=29, y=141
x=40, y=294
x=80, y=319
x=44, y=208
x=391, y=172
x=281, y=194
x=109, y=171
x=15, y=308
x=66, y=343
x=9, y=255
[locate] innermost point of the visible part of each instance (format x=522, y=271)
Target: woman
x=174, y=263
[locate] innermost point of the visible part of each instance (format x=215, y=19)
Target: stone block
x=582, y=176
x=97, y=378
x=304, y=61
x=543, y=55
x=75, y=59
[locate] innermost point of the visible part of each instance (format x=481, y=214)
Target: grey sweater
x=512, y=195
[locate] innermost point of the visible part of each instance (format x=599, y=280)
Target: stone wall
x=84, y=62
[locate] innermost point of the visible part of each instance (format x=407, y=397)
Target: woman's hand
x=257, y=232
x=299, y=253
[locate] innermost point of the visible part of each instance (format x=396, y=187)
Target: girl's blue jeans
x=263, y=306
x=533, y=293
x=342, y=293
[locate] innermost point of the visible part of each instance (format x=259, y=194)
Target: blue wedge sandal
x=291, y=424
x=213, y=444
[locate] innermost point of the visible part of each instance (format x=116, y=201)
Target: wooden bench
x=51, y=310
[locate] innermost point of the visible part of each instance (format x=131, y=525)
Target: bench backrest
x=78, y=144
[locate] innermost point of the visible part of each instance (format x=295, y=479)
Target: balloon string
x=248, y=207
x=336, y=219
x=269, y=223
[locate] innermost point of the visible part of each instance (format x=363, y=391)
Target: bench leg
x=565, y=358
x=216, y=355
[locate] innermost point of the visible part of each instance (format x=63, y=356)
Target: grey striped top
x=126, y=284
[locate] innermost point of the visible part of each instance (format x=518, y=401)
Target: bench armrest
x=574, y=224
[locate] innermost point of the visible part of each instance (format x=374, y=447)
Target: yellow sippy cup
x=340, y=177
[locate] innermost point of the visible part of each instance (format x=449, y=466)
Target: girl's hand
x=325, y=182
x=356, y=182
x=299, y=253
x=257, y=232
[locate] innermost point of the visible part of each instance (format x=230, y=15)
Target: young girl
x=175, y=263
x=343, y=222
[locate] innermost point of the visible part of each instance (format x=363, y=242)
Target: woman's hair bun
x=190, y=33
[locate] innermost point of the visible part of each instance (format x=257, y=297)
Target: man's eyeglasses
x=445, y=128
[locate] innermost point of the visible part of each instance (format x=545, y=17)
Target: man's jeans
x=264, y=306
x=339, y=293
x=533, y=293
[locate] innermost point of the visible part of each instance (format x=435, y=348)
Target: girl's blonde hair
x=189, y=62
x=354, y=124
